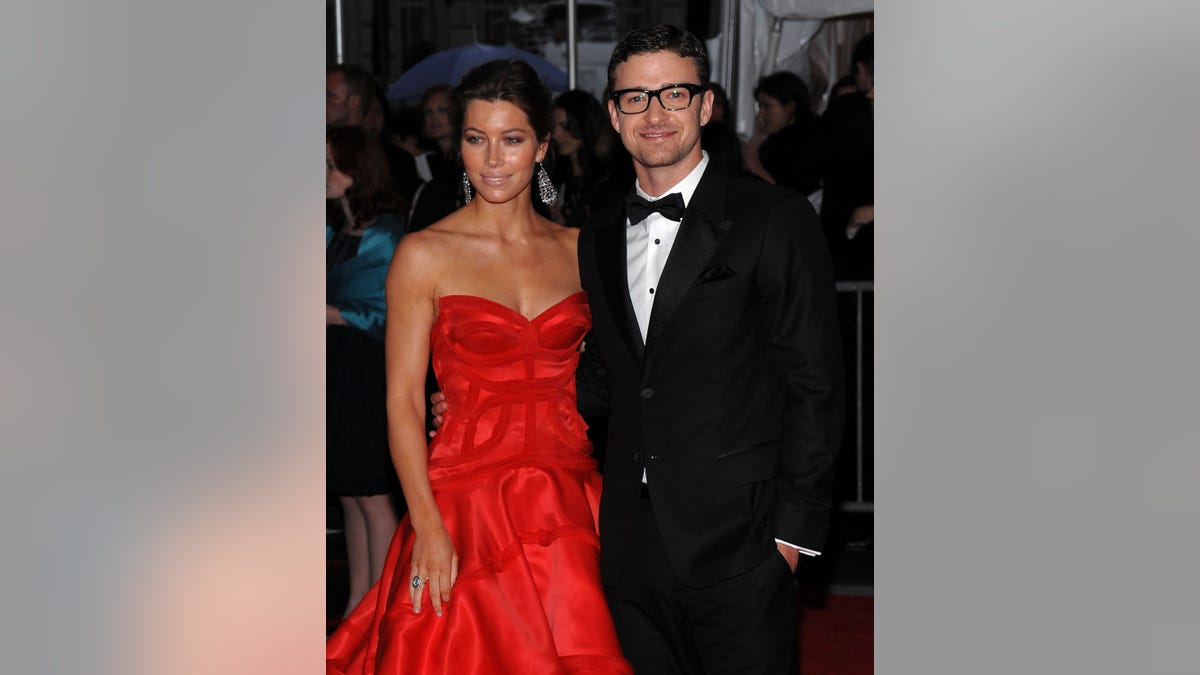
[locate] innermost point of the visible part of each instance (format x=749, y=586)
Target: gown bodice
x=509, y=383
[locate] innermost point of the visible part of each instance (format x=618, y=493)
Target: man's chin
x=659, y=158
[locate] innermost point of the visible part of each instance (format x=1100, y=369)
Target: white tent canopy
x=771, y=35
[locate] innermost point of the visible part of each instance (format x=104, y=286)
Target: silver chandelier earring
x=467, y=187
x=545, y=188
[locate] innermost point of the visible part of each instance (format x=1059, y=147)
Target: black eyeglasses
x=670, y=97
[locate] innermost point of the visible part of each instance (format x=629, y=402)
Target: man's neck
x=656, y=180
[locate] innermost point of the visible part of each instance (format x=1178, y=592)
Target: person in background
x=848, y=168
x=353, y=97
x=783, y=149
x=584, y=146
x=442, y=192
x=362, y=232
x=722, y=110
x=437, y=132
x=348, y=94
x=401, y=164
x=719, y=139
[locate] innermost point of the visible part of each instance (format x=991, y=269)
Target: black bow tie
x=638, y=209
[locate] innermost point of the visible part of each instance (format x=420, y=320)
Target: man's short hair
x=658, y=38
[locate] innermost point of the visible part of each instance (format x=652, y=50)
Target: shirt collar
x=685, y=187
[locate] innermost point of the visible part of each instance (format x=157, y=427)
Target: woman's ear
x=542, y=149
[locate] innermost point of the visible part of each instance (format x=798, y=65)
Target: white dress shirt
x=647, y=246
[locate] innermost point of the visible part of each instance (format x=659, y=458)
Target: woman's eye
x=513, y=140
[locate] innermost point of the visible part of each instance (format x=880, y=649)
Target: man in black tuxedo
x=715, y=345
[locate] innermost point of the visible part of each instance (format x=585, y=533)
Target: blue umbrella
x=448, y=67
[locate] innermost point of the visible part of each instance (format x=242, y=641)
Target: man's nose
x=656, y=110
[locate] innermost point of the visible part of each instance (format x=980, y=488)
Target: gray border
x=161, y=362
x=1036, y=448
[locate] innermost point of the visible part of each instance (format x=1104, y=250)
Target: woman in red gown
x=496, y=567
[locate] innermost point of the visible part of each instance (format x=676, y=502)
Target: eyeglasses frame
x=692, y=90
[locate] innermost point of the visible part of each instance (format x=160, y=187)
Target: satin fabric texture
x=519, y=493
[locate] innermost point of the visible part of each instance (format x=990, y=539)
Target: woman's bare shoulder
x=566, y=236
x=421, y=257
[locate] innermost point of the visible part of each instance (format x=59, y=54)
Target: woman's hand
x=758, y=136
x=333, y=317
x=863, y=215
x=750, y=156
x=435, y=561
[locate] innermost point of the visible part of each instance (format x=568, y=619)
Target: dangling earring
x=467, y=187
x=545, y=188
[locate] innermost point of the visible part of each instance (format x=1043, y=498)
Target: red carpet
x=837, y=635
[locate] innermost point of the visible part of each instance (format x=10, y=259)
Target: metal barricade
x=859, y=504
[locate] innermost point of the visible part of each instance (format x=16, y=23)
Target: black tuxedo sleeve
x=795, y=283
x=591, y=382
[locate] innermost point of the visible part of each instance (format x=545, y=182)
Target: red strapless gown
x=519, y=493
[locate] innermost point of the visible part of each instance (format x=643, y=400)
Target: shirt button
x=651, y=291
x=657, y=241
x=647, y=392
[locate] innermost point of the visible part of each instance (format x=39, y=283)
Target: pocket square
x=715, y=273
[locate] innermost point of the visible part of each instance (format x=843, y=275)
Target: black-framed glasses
x=670, y=97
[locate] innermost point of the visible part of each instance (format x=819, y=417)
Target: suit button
x=637, y=457
x=647, y=392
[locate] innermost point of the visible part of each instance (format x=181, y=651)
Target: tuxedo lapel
x=614, y=276
x=701, y=232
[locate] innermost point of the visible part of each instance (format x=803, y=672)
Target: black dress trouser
x=747, y=624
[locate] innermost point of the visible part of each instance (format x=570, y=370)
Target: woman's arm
x=750, y=154
x=410, y=314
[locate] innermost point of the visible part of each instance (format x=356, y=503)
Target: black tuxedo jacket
x=734, y=403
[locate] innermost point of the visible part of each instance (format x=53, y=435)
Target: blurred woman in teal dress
x=363, y=229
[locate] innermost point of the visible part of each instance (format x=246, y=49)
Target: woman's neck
x=510, y=220
x=351, y=225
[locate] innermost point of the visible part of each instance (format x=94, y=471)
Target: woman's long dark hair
x=358, y=153
x=587, y=121
x=787, y=87
x=511, y=80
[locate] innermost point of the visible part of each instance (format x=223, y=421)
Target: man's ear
x=706, y=106
x=612, y=116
